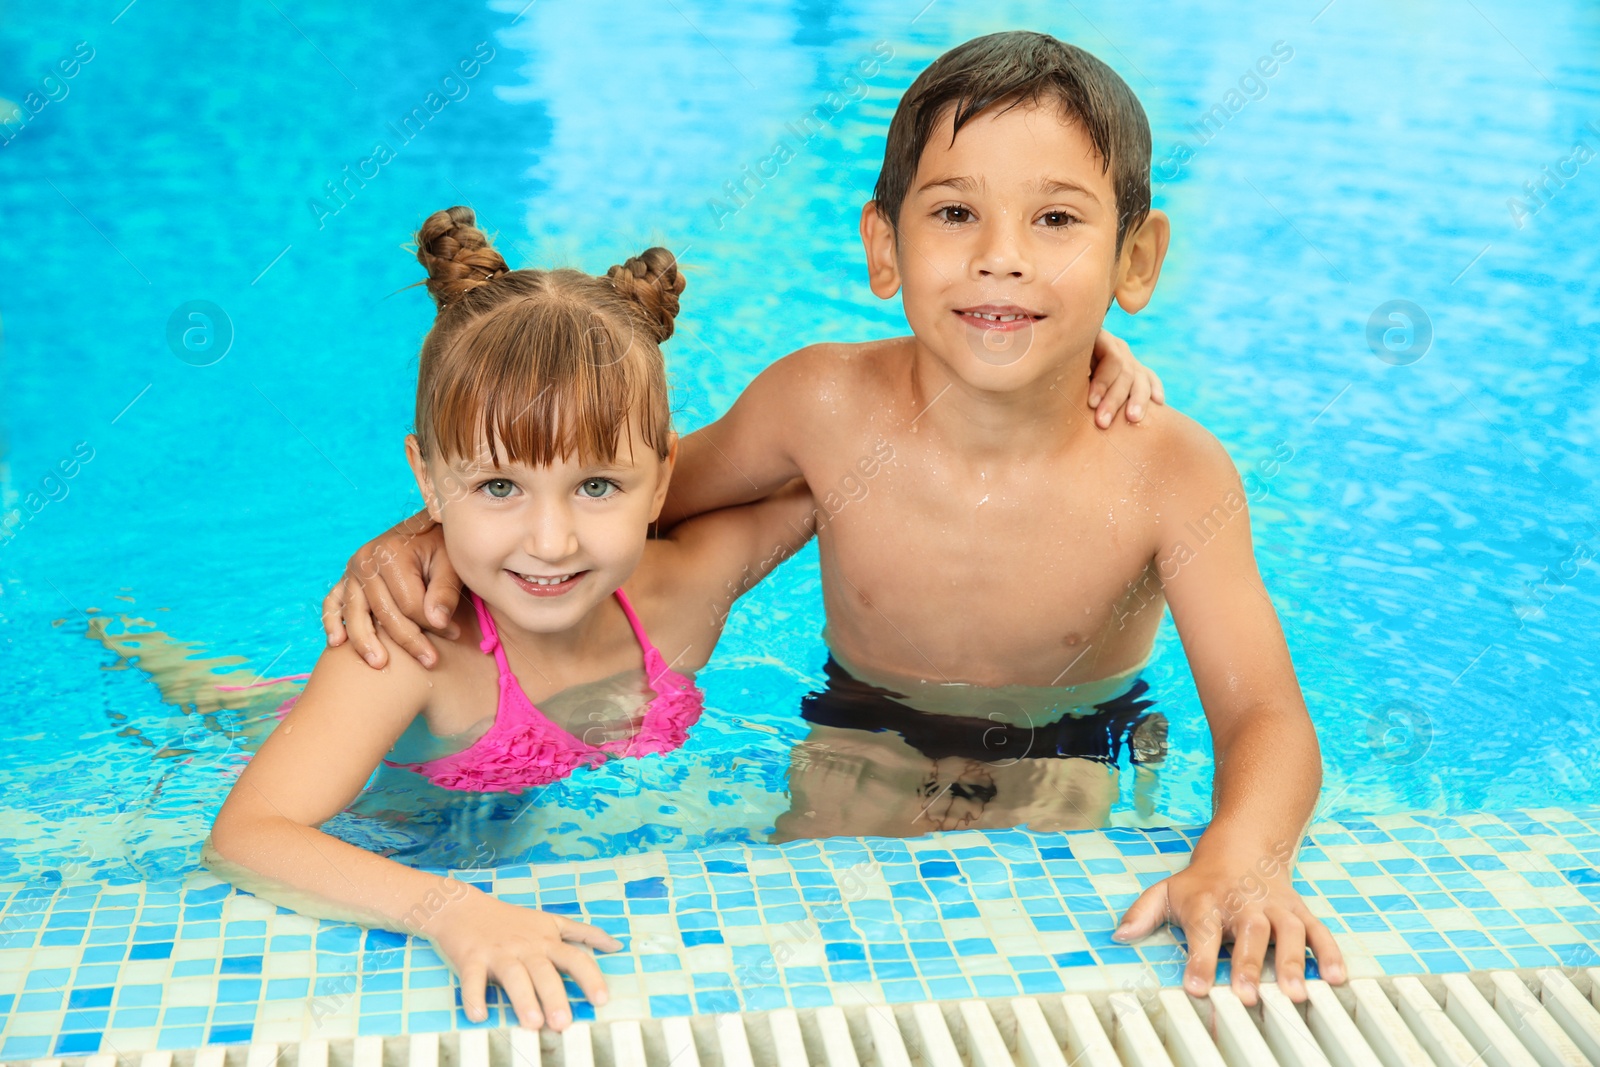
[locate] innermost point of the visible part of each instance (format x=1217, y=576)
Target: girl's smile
x=555, y=585
x=545, y=544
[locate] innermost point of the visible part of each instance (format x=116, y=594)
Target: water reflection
x=863, y=756
x=913, y=759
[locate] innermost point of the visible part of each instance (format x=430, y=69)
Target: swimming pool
x=1422, y=486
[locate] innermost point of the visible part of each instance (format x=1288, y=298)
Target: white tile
x=34, y=1023
x=61, y=956
x=187, y=992
x=131, y=1042
x=277, y=1031
x=619, y=1007
x=1052, y=943
x=289, y=964
x=199, y=948
x=706, y=958
x=1109, y=884
x=993, y=910
x=846, y=994
x=745, y=935
x=956, y=929
x=142, y=972
x=666, y=984
x=1552, y=934
x=248, y=908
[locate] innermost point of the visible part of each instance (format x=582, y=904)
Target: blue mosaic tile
x=895, y=944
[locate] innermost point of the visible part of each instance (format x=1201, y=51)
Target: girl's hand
x=523, y=951
x=402, y=581
x=1117, y=378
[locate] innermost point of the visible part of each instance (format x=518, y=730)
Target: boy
x=1001, y=539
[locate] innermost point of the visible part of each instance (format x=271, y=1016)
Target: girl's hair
x=540, y=364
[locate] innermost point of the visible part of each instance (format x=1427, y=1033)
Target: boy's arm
x=266, y=840
x=747, y=454
x=401, y=580
x=712, y=560
x=1268, y=765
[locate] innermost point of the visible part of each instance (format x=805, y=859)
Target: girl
x=543, y=446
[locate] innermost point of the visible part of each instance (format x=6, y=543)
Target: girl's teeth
x=545, y=581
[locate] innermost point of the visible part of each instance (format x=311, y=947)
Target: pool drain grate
x=1530, y=1018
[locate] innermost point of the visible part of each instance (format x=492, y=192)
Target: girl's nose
x=553, y=536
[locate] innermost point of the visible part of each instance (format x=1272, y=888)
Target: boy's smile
x=1003, y=317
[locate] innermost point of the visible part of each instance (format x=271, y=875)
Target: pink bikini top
x=523, y=748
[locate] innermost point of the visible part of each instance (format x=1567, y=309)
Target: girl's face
x=545, y=545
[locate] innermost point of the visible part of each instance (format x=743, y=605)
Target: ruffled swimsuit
x=524, y=749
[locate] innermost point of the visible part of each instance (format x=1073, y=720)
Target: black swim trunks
x=851, y=704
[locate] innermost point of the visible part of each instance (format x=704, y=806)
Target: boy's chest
x=1038, y=576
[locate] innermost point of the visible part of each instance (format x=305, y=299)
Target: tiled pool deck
x=92, y=967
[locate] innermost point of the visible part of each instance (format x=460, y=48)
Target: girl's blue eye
x=597, y=488
x=499, y=488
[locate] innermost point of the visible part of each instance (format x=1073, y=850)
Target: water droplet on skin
x=289, y=729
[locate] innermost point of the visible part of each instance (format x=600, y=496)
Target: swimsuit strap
x=655, y=664
x=491, y=636
x=662, y=678
x=633, y=620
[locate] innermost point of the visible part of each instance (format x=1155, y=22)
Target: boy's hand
x=1216, y=902
x=401, y=580
x=524, y=951
x=1117, y=378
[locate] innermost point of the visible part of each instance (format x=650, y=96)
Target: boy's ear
x=877, y=237
x=419, y=469
x=1140, y=263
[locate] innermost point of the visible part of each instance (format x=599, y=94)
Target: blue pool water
x=1427, y=542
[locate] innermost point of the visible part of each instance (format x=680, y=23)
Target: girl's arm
x=266, y=839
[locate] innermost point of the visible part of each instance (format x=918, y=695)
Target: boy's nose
x=1001, y=255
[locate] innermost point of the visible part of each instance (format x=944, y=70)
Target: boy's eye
x=1057, y=219
x=499, y=488
x=954, y=213
x=597, y=488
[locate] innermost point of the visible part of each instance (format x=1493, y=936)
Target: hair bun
x=457, y=254
x=652, y=281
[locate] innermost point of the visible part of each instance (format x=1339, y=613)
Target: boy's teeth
x=995, y=318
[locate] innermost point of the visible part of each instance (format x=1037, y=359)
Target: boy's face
x=1006, y=251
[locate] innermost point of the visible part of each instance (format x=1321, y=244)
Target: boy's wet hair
x=1022, y=67
x=539, y=365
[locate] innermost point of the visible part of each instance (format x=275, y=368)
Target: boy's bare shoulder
x=821, y=370
x=1175, y=453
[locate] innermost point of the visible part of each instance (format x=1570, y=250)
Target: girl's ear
x=666, y=476
x=419, y=469
x=877, y=237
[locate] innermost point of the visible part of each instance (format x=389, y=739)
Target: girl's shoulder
x=673, y=604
